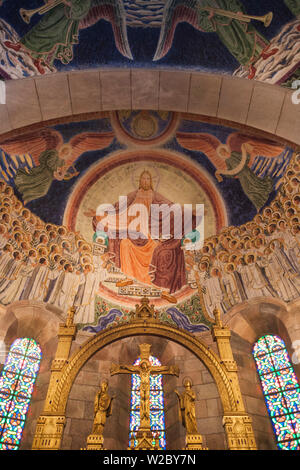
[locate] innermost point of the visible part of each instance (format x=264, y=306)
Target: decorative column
x=50, y=425
x=237, y=424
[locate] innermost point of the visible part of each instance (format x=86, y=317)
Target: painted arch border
x=62, y=387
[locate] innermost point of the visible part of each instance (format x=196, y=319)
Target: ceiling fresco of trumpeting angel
x=52, y=250
x=244, y=38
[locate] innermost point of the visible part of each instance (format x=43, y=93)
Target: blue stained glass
x=132, y=439
x=32, y=367
x=19, y=346
x=14, y=363
x=156, y=382
x=135, y=382
x=292, y=398
x=8, y=380
x=16, y=386
x=289, y=445
x=134, y=420
x=32, y=350
x=280, y=359
x=135, y=399
x=162, y=439
x=20, y=404
x=276, y=404
x=281, y=390
x=270, y=383
x=5, y=407
x=266, y=364
x=156, y=400
x=25, y=385
x=2, y=423
x=7, y=447
x=296, y=423
x=12, y=432
x=157, y=418
x=274, y=343
x=287, y=379
x=260, y=348
x=283, y=427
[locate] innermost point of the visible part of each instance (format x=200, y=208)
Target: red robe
x=167, y=267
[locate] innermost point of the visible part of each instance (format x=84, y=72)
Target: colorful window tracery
x=16, y=386
x=157, y=414
x=281, y=390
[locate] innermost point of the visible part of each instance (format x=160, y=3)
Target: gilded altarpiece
x=237, y=423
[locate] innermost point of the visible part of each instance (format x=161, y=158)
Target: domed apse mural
x=53, y=180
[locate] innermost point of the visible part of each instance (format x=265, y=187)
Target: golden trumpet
x=266, y=19
x=26, y=15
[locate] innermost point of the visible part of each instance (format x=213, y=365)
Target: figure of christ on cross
x=144, y=369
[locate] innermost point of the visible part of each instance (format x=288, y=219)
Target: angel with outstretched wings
x=235, y=160
x=53, y=158
x=225, y=18
x=54, y=36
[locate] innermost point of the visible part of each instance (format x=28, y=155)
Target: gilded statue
x=102, y=408
x=187, y=414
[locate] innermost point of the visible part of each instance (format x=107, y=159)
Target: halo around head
x=222, y=147
x=65, y=151
x=152, y=170
x=186, y=380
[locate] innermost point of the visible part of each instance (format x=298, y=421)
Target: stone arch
x=262, y=315
x=59, y=395
x=265, y=315
x=33, y=319
x=248, y=321
x=256, y=106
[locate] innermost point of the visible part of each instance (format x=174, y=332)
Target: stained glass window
x=16, y=386
x=157, y=414
x=281, y=390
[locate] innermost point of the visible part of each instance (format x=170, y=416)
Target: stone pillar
x=50, y=425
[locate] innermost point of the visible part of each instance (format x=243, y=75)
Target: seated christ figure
x=154, y=261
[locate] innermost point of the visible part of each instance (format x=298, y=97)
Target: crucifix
x=145, y=370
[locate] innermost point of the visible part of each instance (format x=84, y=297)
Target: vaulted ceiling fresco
x=53, y=180
x=244, y=38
